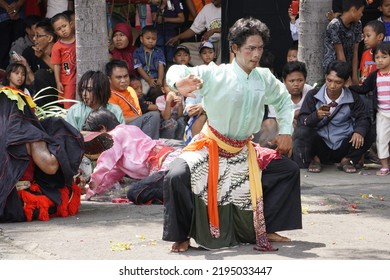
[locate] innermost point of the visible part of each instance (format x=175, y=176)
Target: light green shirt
x=78, y=113
x=234, y=101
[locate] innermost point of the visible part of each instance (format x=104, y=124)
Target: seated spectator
x=146, y=106
x=171, y=107
x=22, y=43
x=149, y=61
x=94, y=91
x=181, y=55
x=133, y=153
x=36, y=58
x=332, y=124
x=122, y=40
x=15, y=77
x=126, y=98
x=294, y=77
x=209, y=20
x=38, y=158
x=207, y=52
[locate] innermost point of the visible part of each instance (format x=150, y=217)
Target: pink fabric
x=128, y=156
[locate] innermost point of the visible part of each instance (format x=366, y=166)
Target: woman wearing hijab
x=122, y=39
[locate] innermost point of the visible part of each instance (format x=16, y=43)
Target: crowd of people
x=223, y=142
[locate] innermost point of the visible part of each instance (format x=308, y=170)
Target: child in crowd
x=342, y=37
x=207, y=52
x=292, y=53
x=146, y=106
x=337, y=10
x=294, y=77
x=379, y=83
x=167, y=17
x=373, y=34
x=182, y=56
x=171, y=107
x=15, y=77
x=149, y=61
x=384, y=7
x=63, y=57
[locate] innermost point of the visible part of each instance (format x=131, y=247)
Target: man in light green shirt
x=234, y=96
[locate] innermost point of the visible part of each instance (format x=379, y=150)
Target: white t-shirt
x=56, y=6
x=208, y=18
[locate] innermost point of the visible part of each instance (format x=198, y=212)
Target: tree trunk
x=312, y=28
x=91, y=35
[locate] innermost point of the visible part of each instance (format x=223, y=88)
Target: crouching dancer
x=223, y=189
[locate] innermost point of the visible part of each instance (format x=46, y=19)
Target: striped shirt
x=383, y=86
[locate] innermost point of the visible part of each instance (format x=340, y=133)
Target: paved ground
x=345, y=217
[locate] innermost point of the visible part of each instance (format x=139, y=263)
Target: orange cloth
x=211, y=141
x=65, y=55
x=198, y=4
x=123, y=98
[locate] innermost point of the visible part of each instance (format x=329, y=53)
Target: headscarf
x=125, y=54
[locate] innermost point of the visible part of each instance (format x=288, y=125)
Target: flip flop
x=314, y=167
x=383, y=172
x=347, y=167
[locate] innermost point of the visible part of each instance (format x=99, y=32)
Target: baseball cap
x=181, y=47
x=206, y=44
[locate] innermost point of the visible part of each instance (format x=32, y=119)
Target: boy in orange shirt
x=63, y=57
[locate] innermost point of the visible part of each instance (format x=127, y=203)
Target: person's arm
x=42, y=157
x=179, y=19
x=210, y=33
x=161, y=73
x=184, y=35
x=57, y=69
x=146, y=77
x=167, y=112
x=71, y=5
x=355, y=62
x=339, y=52
x=191, y=8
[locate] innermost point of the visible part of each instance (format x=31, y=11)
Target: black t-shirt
x=35, y=62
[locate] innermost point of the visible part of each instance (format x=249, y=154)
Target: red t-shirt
x=65, y=55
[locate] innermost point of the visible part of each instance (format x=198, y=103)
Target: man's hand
x=283, y=143
x=357, y=140
x=189, y=84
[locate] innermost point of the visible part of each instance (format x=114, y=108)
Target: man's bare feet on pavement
x=274, y=237
x=180, y=247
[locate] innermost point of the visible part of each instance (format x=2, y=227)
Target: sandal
x=383, y=172
x=346, y=167
x=314, y=167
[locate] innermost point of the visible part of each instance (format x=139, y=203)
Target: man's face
x=334, y=84
x=249, y=54
x=119, y=79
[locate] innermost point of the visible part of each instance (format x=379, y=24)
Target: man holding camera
x=332, y=125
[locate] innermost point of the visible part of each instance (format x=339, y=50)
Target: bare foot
x=180, y=247
x=274, y=237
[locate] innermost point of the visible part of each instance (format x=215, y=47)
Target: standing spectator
x=171, y=107
x=342, y=37
x=373, y=34
x=378, y=83
x=54, y=7
x=122, y=39
x=150, y=63
x=168, y=16
x=126, y=98
x=11, y=26
x=332, y=124
x=208, y=20
x=63, y=57
x=384, y=7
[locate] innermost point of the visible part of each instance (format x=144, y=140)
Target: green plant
x=51, y=109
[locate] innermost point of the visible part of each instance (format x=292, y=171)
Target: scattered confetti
x=120, y=246
x=305, y=210
x=353, y=206
x=153, y=242
x=140, y=236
